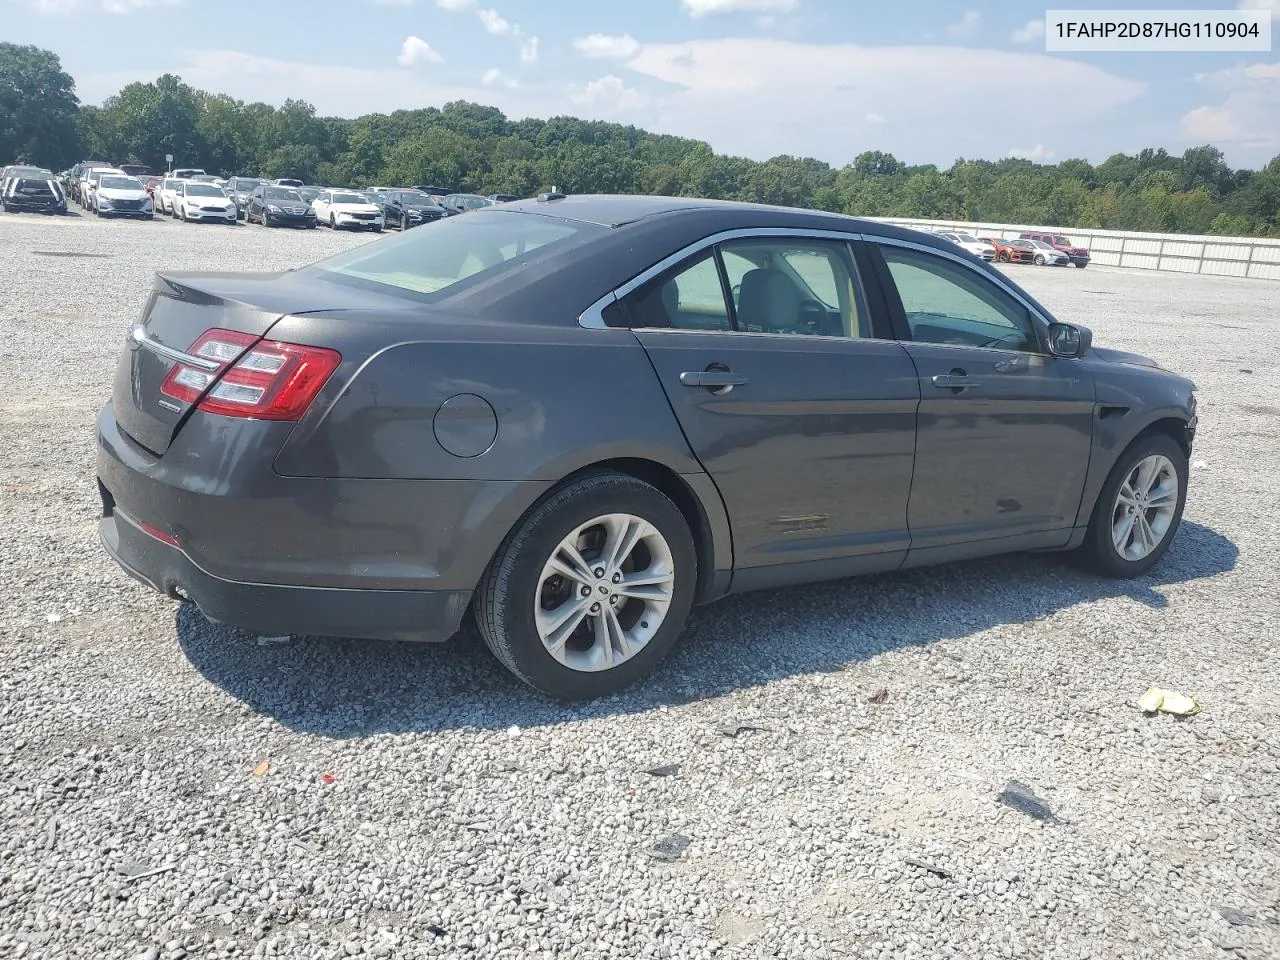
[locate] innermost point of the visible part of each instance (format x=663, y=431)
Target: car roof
x=620, y=210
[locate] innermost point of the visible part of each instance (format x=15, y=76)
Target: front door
x=803, y=417
x=1005, y=429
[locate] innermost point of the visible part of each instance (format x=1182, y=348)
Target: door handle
x=712, y=378
x=954, y=381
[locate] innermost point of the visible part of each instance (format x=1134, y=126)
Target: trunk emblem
x=176, y=408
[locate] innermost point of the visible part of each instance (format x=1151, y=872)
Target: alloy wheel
x=1145, y=507
x=604, y=592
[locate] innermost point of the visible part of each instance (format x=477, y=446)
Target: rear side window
x=429, y=261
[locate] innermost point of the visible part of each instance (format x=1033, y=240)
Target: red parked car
x=151, y=184
x=1078, y=255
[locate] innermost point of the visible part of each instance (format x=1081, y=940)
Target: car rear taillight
x=257, y=379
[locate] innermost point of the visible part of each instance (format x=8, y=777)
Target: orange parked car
x=1006, y=253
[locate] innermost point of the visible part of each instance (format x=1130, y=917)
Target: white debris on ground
x=401, y=816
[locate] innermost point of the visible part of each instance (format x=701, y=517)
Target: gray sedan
x=576, y=417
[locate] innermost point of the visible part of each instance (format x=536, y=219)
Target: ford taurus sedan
x=575, y=417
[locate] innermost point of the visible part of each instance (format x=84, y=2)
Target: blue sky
x=928, y=80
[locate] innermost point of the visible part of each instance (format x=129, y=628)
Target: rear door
x=1005, y=429
x=799, y=408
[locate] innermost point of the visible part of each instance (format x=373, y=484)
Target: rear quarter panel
x=562, y=397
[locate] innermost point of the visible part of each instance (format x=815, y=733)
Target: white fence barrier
x=1222, y=256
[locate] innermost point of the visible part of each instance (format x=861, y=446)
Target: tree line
x=475, y=148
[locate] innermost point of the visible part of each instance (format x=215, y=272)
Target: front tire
x=1139, y=509
x=1081, y=266
x=1039, y=259
x=591, y=589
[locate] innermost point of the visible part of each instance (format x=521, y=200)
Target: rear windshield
x=458, y=248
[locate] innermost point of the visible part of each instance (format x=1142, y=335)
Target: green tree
x=39, y=120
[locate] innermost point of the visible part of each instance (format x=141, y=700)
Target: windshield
x=42, y=188
x=350, y=198
x=1041, y=245
x=121, y=183
x=204, y=190
x=428, y=261
x=417, y=200
x=281, y=193
x=470, y=202
x=245, y=186
x=309, y=193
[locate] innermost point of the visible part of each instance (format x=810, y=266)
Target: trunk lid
x=182, y=306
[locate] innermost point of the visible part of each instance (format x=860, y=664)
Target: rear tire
x=517, y=583
x=1100, y=552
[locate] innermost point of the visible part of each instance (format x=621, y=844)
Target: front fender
x=1131, y=399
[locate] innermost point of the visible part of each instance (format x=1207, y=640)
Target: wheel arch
x=1168, y=423
x=696, y=498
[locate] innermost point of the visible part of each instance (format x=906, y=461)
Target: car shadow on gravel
x=353, y=688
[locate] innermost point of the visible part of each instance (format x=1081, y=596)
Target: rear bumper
x=420, y=615
x=381, y=559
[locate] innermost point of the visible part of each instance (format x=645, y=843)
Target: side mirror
x=1069, y=340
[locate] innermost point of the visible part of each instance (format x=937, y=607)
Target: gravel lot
x=419, y=802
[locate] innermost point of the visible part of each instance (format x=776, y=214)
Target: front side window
x=428, y=261
x=948, y=303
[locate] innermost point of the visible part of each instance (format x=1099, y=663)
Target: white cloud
x=812, y=99
x=529, y=50
x=605, y=45
x=966, y=26
x=495, y=23
x=453, y=6
x=702, y=8
x=1038, y=152
x=610, y=97
x=873, y=117
x=493, y=77
x=1249, y=116
x=416, y=50
x=1029, y=32
x=805, y=99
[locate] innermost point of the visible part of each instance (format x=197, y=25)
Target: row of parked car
x=193, y=195
x=1041, y=249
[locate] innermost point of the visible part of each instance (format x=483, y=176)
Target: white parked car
x=120, y=196
x=1042, y=253
x=347, y=209
x=967, y=241
x=89, y=181
x=195, y=201
x=187, y=173
x=167, y=194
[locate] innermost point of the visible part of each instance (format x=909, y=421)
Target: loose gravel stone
x=135, y=725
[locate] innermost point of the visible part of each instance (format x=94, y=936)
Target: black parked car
x=279, y=207
x=41, y=194
x=239, y=189
x=434, y=191
x=374, y=444
x=408, y=208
